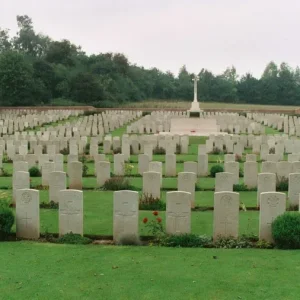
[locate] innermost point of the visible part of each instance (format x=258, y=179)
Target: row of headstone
x=178, y=214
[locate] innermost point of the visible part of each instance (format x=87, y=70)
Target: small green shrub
x=159, y=150
x=216, y=151
x=241, y=173
x=4, y=172
x=35, y=172
x=64, y=151
x=232, y=243
x=286, y=230
x=282, y=184
x=186, y=240
x=6, y=159
x=49, y=205
x=116, y=183
x=262, y=244
x=147, y=202
x=216, y=169
x=72, y=238
x=240, y=188
x=7, y=220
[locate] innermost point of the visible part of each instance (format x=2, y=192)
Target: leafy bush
x=6, y=159
x=241, y=173
x=72, y=238
x=116, y=183
x=159, y=150
x=240, y=188
x=286, y=230
x=282, y=184
x=4, y=172
x=262, y=244
x=233, y=243
x=216, y=151
x=186, y=240
x=49, y=205
x=147, y=202
x=216, y=169
x=64, y=151
x=35, y=172
x=6, y=220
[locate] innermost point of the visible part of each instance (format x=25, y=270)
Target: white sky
x=167, y=34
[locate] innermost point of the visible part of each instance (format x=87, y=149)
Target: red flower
x=158, y=220
x=155, y=213
x=145, y=220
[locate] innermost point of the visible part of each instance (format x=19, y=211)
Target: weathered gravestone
x=75, y=175
x=156, y=166
x=272, y=205
x=21, y=181
x=27, y=214
x=151, y=184
x=233, y=167
x=103, y=172
x=284, y=168
x=226, y=214
x=170, y=165
x=178, y=213
x=190, y=166
x=250, y=174
x=224, y=182
x=70, y=212
x=268, y=167
x=126, y=215
x=186, y=183
x=202, y=165
x=294, y=188
x=57, y=183
x=143, y=163
x=47, y=168
x=119, y=164
x=266, y=182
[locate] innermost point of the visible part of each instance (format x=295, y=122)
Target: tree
x=5, y=43
x=16, y=80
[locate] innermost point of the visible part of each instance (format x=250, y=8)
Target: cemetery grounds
x=36, y=270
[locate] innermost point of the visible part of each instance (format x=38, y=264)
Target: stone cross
x=195, y=79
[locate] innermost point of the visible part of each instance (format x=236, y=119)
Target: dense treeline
x=36, y=70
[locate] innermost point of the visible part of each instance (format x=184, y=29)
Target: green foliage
x=4, y=172
x=35, y=172
x=49, y=205
x=241, y=172
x=117, y=150
x=6, y=219
x=282, y=184
x=232, y=243
x=35, y=69
x=64, y=151
x=147, y=202
x=72, y=238
x=262, y=244
x=216, y=169
x=216, y=151
x=286, y=230
x=186, y=241
x=155, y=227
x=159, y=150
x=116, y=183
x=241, y=188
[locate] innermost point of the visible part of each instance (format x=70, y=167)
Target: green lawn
x=51, y=271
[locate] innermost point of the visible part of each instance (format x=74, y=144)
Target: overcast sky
x=167, y=34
